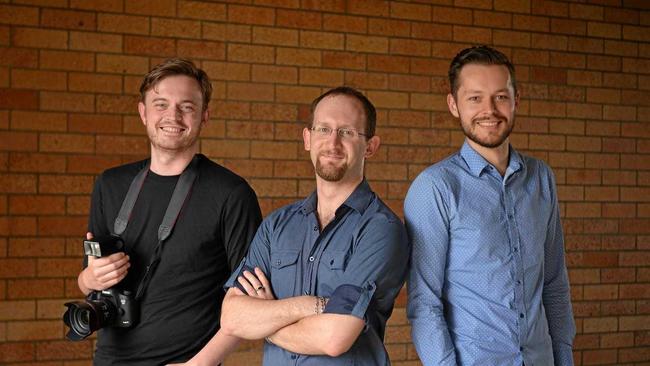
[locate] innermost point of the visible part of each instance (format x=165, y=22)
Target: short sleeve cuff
x=351, y=300
x=232, y=281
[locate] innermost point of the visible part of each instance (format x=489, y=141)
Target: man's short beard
x=488, y=144
x=331, y=173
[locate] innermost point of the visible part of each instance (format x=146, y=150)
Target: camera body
x=111, y=307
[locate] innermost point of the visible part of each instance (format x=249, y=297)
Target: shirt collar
x=358, y=200
x=477, y=163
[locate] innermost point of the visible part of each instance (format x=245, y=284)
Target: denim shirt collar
x=358, y=200
x=477, y=164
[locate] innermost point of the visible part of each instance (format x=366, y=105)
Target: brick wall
x=70, y=70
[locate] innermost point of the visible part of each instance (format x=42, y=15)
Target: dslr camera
x=108, y=308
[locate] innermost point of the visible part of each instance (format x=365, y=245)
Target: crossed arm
x=289, y=323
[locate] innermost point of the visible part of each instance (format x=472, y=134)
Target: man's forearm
x=324, y=334
x=215, y=351
x=252, y=318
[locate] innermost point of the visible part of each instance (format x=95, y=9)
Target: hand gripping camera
x=108, y=308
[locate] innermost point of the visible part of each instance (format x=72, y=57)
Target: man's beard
x=330, y=172
x=488, y=143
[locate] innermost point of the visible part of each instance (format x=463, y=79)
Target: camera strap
x=181, y=192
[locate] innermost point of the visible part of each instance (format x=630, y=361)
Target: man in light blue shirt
x=488, y=284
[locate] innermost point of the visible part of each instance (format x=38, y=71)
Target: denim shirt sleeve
x=376, y=269
x=556, y=295
x=427, y=223
x=258, y=256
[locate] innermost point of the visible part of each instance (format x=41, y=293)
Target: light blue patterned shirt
x=488, y=284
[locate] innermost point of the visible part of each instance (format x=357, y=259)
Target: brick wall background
x=70, y=70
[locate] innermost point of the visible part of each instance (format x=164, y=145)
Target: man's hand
x=256, y=285
x=104, y=272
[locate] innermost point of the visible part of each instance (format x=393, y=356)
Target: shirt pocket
x=284, y=272
x=336, y=260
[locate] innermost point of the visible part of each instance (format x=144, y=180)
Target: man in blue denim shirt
x=322, y=274
x=488, y=283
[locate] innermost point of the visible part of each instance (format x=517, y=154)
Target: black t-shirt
x=180, y=310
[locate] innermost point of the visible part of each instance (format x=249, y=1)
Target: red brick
x=119, y=144
x=66, y=143
x=368, y=44
x=175, y=28
x=38, y=121
x=624, y=16
x=321, y=77
x=567, y=60
x=451, y=15
x=274, y=112
x=492, y=19
x=17, y=268
x=322, y=40
x=18, y=141
x=104, y=5
x=274, y=187
x=511, y=38
x=411, y=11
x=16, y=351
x=231, y=110
x=345, y=60
x=65, y=184
x=125, y=104
x=18, y=57
x=63, y=350
x=410, y=47
x=18, y=99
x=201, y=10
x=226, y=148
x=530, y=23
x=18, y=15
x=249, y=130
x=36, y=205
x=122, y=64
x=202, y=49
x=60, y=101
x=345, y=23
x=94, y=123
x=295, y=57
x=34, y=288
x=36, y=163
x=162, y=7
x=296, y=94
x=472, y=35
x=633, y=33
x=36, y=247
x=226, y=32
x=273, y=150
x=122, y=23
x=251, y=15
x=400, y=28
x=397, y=64
x=298, y=19
x=90, y=164
x=149, y=46
x=254, y=54
x=378, y=8
x=272, y=36
x=68, y=19
x=588, y=45
x=66, y=60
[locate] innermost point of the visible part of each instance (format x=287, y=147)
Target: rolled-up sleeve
x=376, y=270
x=427, y=223
x=258, y=256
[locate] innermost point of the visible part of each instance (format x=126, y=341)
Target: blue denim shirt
x=359, y=261
x=488, y=283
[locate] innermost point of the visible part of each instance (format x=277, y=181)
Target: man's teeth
x=171, y=129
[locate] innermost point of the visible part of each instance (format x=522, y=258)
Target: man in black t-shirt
x=180, y=309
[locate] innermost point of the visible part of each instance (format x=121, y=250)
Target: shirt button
x=518, y=282
x=311, y=259
x=293, y=357
x=315, y=228
x=510, y=216
x=515, y=249
x=521, y=348
x=277, y=263
x=521, y=315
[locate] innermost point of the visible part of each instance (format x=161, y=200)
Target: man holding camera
x=176, y=280
x=322, y=274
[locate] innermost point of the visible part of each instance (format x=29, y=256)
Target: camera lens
x=83, y=318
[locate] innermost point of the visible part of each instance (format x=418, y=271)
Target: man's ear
x=451, y=103
x=306, y=134
x=205, y=117
x=372, y=146
x=141, y=111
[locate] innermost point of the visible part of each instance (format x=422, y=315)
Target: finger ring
x=260, y=288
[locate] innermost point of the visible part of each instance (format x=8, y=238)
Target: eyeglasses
x=344, y=133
